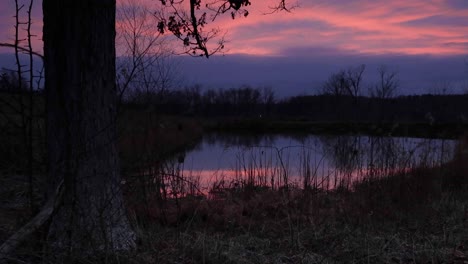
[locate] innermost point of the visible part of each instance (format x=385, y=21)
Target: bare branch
x=26, y=50
x=282, y=6
x=387, y=84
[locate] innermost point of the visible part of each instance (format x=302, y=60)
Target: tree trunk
x=79, y=49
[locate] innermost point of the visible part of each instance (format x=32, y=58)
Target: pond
x=304, y=161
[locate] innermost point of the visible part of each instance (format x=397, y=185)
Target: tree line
x=261, y=102
x=340, y=100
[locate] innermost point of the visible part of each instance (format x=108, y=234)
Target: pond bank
x=417, y=217
x=262, y=125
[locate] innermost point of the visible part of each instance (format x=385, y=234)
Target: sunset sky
x=426, y=41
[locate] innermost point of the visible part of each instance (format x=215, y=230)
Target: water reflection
x=358, y=157
x=228, y=161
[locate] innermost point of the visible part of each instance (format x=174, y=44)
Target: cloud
x=425, y=39
x=365, y=26
x=458, y=4
x=439, y=21
x=457, y=44
x=378, y=27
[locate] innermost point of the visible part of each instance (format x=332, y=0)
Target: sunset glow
x=295, y=51
x=437, y=27
x=362, y=26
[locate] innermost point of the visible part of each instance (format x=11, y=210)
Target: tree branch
x=26, y=50
x=45, y=214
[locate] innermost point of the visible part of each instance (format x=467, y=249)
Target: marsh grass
x=397, y=209
x=416, y=214
x=268, y=230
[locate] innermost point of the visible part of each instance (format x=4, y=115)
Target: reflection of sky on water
x=231, y=157
x=219, y=155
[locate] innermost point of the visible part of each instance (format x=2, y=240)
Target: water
x=305, y=161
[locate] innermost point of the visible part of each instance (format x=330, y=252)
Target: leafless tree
x=81, y=95
x=337, y=84
x=21, y=84
x=354, y=76
x=387, y=84
x=267, y=98
x=345, y=82
x=145, y=65
x=25, y=83
x=267, y=95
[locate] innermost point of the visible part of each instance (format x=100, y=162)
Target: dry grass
x=419, y=216
x=263, y=230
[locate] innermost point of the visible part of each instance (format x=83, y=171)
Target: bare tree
x=21, y=84
x=345, y=82
x=267, y=99
x=337, y=84
x=267, y=94
x=81, y=95
x=387, y=84
x=24, y=86
x=354, y=76
x=145, y=66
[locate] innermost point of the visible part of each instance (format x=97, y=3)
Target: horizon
x=426, y=42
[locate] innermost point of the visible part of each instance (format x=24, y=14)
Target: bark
x=79, y=52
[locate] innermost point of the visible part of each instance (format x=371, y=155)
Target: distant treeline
x=414, y=108
x=250, y=102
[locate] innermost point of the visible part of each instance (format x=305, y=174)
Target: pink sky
x=436, y=27
x=425, y=40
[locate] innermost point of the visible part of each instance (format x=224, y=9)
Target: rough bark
x=79, y=52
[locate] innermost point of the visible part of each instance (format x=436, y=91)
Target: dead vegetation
x=412, y=216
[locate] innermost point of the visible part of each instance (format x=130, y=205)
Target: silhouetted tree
x=387, y=84
x=345, y=82
x=267, y=98
x=79, y=51
x=337, y=84
x=144, y=68
x=354, y=76
x=79, y=46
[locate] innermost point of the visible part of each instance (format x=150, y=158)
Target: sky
x=425, y=41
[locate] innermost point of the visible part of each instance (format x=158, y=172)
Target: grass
x=271, y=231
x=275, y=231
x=412, y=216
